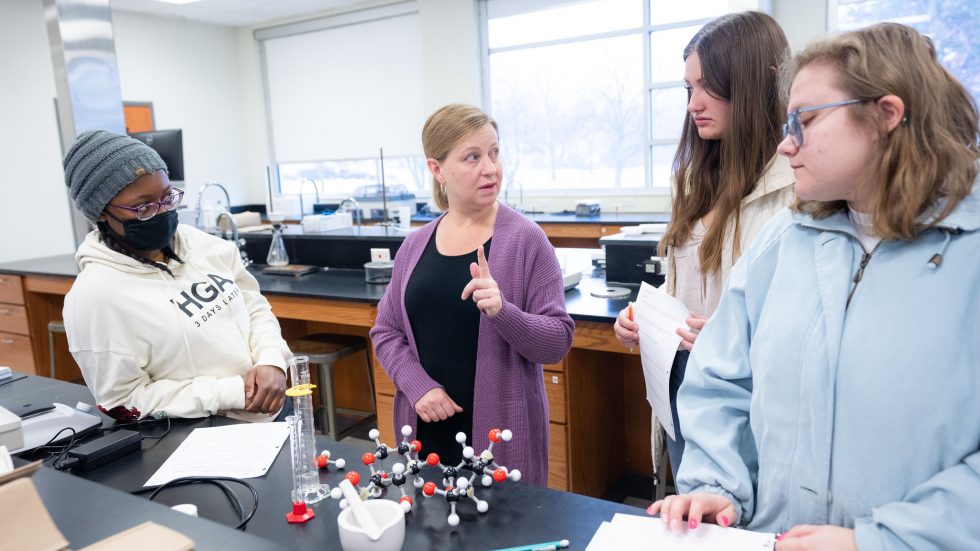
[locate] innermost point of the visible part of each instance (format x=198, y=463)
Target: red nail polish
x=692, y=524
x=650, y=510
x=781, y=536
x=724, y=521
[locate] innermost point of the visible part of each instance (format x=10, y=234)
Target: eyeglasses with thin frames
x=794, y=129
x=149, y=210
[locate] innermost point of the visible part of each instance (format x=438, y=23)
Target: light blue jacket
x=803, y=409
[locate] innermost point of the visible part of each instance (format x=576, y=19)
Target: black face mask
x=153, y=234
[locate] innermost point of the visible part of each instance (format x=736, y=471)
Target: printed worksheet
x=659, y=315
x=636, y=532
x=246, y=450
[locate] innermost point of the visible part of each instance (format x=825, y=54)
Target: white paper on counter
x=246, y=450
x=659, y=315
x=635, y=532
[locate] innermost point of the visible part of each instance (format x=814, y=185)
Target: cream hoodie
x=180, y=344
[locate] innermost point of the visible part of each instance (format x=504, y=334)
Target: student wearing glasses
x=728, y=179
x=162, y=318
x=834, y=395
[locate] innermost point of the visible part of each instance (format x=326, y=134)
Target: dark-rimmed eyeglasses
x=149, y=210
x=794, y=129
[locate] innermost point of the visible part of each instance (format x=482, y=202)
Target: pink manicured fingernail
x=724, y=521
x=781, y=536
x=692, y=524
x=650, y=510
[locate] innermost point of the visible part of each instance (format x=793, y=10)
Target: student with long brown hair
x=728, y=180
x=833, y=397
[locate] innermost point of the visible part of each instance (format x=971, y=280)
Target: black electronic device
x=630, y=258
x=104, y=449
x=30, y=409
x=169, y=144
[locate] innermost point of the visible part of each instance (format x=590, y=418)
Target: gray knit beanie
x=100, y=164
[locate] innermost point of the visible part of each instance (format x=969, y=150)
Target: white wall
x=450, y=53
x=34, y=214
x=192, y=74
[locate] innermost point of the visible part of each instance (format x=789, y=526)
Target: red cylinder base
x=301, y=513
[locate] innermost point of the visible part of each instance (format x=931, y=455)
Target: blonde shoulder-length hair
x=443, y=130
x=931, y=155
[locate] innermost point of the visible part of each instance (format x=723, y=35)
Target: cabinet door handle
x=6, y=341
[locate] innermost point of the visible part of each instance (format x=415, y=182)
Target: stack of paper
x=635, y=532
x=659, y=315
x=239, y=451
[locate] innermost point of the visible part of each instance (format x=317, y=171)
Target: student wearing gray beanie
x=108, y=172
x=163, y=318
x=100, y=164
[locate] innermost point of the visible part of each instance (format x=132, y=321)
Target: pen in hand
x=629, y=314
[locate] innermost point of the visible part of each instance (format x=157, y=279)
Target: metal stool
x=53, y=327
x=323, y=349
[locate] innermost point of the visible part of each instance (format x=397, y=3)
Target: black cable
x=159, y=437
x=232, y=497
x=152, y=419
x=217, y=481
x=60, y=449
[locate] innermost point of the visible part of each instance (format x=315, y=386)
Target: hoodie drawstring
x=937, y=259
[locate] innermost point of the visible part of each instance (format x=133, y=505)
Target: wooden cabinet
x=554, y=387
x=558, y=457
x=11, y=291
x=382, y=383
x=386, y=415
x=13, y=319
x=16, y=351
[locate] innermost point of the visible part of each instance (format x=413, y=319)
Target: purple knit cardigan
x=532, y=328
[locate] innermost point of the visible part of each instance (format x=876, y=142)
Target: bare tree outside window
x=571, y=91
x=953, y=26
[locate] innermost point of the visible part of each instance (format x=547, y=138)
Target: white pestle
x=361, y=512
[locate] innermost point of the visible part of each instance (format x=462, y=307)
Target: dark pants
x=675, y=447
x=287, y=409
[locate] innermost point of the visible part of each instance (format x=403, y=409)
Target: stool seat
x=53, y=327
x=326, y=347
x=322, y=351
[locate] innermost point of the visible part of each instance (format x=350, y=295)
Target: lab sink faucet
x=231, y=234
x=200, y=195
x=316, y=192
x=349, y=204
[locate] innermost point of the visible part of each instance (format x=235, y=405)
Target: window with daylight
x=589, y=94
x=953, y=26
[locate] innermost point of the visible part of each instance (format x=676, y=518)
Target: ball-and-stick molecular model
x=457, y=487
x=323, y=461
x=380, y=479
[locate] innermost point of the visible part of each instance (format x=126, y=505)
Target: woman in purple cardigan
x=464, y=347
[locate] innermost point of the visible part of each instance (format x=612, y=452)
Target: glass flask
x=277, y=250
